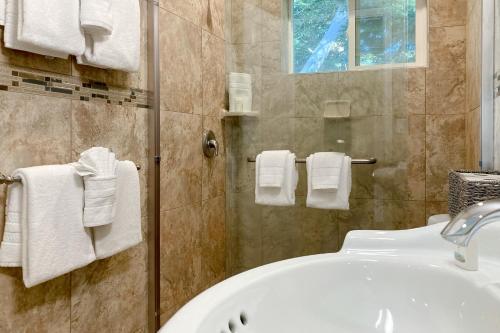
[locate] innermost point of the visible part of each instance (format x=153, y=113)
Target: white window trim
x=421, y=35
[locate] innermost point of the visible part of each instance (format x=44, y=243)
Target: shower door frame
x=488, y=79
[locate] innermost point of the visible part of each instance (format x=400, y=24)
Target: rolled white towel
x=97, y=166
x=96, y=17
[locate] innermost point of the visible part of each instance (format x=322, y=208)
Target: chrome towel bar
x=354, y=161
x=7, y=180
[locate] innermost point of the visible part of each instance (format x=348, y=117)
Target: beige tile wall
x=108, y=295
x=192, y=186
x=413, y=120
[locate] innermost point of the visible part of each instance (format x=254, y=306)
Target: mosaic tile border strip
x=22, y=80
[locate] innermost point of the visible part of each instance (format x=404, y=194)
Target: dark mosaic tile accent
x=34, y=81
x=64, y=86
x=61, y=90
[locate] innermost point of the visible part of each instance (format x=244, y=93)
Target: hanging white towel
x=97, y=166
x=10, y=249
x=326, y=170
x=11, y=39
x=121, y=49
x=51, y=24
x=54, y=241
x=277, y=196
x=96, y=17
x=3, y=8
x=328, y=198
x=272, y=168
x=125, y=231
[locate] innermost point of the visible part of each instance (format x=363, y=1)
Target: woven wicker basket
x=464, y=192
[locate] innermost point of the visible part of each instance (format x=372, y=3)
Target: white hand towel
x=97, y=166
x=11, y=39
x=277, y=196
x=326, y=170
x=10, y=249
x=3, y=8
x=54, y=241
x=330, y=199
x=272, y=168
x=121, y=49
x=96, y=17
x=51, y=24
x=125, y=231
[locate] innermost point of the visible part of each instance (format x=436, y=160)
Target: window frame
x=421, y=40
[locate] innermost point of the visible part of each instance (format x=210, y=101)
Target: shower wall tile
x=381, y=215
x=272, y=20
x=435, y=208
x=182, y=158
x=445, y=150
x=43, y=308
x=111, y=294
x=444, y=13
x=180, y=257
x=245, y=232
x=213, y=19
x=246, y=21
x=190, y=10
x=445, y=91
x=214, y=74
x=408, y=91
x=181, y=63
x=367, y=98
x=213, y=244
x=272, y=61
x=313, y=92
x=277, y=84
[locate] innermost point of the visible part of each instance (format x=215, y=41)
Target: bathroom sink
x=399, y=281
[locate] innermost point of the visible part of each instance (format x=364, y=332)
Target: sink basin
x=404, y=281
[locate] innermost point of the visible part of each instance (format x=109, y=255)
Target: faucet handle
x=210, y=145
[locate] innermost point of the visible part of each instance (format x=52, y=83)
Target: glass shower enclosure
x=329, y=75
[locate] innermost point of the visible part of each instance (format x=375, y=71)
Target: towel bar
x=354, y=161
x=7, y=180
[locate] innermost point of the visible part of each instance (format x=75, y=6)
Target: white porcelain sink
x=387, y=282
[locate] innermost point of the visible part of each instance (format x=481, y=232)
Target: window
x=340, y=35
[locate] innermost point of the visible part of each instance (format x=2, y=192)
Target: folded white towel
x=11, y=39
x=121, y=49
x=97, y=166
x=10, y=249
x=3, y=8
x=96, y=17
x=51, y=24
x=327, y=198
x=54, y=241
x=277, y=196
x=326, y=170
x=272, y=168
x=125, y=231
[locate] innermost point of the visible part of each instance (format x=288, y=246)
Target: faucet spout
x=462, y=228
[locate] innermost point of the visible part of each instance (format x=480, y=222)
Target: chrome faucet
x=462, y=228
